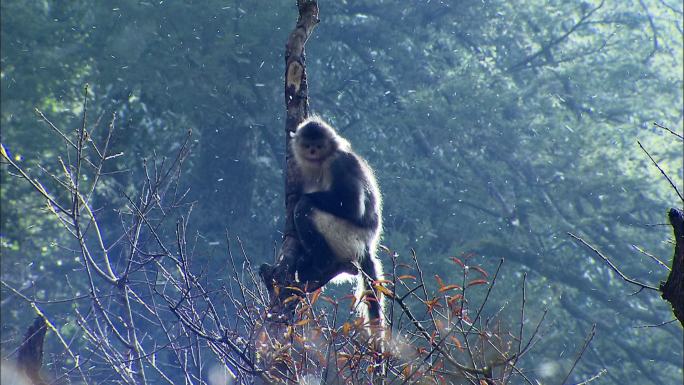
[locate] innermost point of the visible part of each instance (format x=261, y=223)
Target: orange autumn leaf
x=457, y=343
x=291, y=298
x=303, y=322
x=432, y=304
x=480, y=270
x=452, y=299
x=315, y=296
x=477, y=282
x=458, y=261
x=298, y=339
x=449, y=287
x=406, y=372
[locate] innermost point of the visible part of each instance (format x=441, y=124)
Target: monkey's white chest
x=314, y=179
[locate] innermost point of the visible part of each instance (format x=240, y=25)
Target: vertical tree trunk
x=673, y=288
x=280, y=277
x=297, y=105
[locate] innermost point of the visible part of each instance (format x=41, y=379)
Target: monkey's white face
x=314, y=151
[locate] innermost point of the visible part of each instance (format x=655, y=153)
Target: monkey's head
x=315, y=141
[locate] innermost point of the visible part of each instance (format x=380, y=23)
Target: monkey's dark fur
x=339, y=215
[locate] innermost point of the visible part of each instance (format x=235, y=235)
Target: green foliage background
x=494, y=127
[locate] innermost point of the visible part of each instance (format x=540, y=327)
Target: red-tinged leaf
x=477, y=282
x=329, y=300
x=368, y=299
x=406, y=276
x=432, y=337
x=303, y=309
x=480, y=270
x=439, y=280
x=449, y=287
x=483, y=382
x=458, y=261
x=291, y=298
x=303, y=322
x=432, y=304
x=452, y=299
x=315, y=296
x=295, y=288
x=406, y=372
x=457, y=343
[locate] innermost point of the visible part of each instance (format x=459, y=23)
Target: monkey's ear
x=292, y=134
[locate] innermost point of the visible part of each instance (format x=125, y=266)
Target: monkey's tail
x=372, y=271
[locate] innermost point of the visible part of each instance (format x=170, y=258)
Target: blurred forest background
x=495, y=127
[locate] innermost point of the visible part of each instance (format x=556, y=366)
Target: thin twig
x=594, y=377
x=653, y=257
x=612, y=266
x=668, y=130
x=662, y=172
x=581, y=352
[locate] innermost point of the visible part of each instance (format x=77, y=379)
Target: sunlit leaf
x=315, y=295
x=449, y=287
x=303, y=322
x=384, y=290
x=477, y=282
x=480, y=270
x=406, y=276
x=458, y=261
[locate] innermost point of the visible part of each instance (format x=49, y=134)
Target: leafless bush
x=152, y=315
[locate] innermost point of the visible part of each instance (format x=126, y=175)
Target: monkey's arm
x=346, y=198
